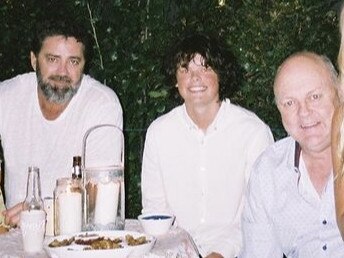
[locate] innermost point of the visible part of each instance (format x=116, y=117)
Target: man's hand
x=12, y=215
x=214, y=255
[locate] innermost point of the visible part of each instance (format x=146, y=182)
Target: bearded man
x=45, y=115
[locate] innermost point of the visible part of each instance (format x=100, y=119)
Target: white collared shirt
x=201, y=177
x=284, y=213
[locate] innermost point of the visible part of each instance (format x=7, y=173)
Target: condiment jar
x=68, y=206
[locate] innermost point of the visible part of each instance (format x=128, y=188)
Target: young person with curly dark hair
x=198, y=157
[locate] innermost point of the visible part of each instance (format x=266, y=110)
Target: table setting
x=85, y=218
x=174, y=244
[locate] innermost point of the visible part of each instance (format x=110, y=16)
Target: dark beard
x=53, y=93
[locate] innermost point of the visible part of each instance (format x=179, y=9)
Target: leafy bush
x=131, y=36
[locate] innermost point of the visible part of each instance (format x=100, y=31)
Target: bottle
x=76, y=171
x=33, y=216
x=33, y=199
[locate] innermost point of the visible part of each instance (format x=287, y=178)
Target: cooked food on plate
x=99, y=242
x=135, y=241
x=63, y=242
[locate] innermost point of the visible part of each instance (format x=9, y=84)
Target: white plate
x=76, y=251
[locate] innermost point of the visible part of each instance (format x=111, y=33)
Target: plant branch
x=94, y=33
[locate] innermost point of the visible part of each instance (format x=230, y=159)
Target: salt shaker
x=68, y=206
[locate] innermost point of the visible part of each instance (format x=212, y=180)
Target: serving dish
x=156, y=224
x=78, y=251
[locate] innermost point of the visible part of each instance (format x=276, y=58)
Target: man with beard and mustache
x=197, y=157
x=44, y=115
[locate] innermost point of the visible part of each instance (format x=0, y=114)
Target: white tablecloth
x=174, y=244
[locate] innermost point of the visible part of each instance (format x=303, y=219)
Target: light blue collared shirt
x=284, y=213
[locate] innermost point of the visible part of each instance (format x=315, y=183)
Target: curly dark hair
x=215, y=54
x=58, y=27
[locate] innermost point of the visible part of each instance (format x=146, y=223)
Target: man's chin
x=58, y=102
x=60, y=85
x=59, y=98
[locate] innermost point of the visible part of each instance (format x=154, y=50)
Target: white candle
x=70, y=212
x=106, y=202
x=49, y=210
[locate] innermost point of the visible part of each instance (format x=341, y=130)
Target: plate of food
x=102, y=244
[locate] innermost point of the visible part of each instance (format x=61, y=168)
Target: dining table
x=174, y=244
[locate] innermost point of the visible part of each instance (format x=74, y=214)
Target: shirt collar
x=218, y=120
x=304, y=183
x=305, y=186
x=297, y=154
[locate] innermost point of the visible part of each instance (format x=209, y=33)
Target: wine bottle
x=76, y=171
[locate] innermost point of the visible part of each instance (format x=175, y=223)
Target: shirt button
x=324, y=247
x=324, y=222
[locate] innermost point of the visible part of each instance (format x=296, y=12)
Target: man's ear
x=33, y=59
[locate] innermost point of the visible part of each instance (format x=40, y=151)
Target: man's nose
x=62, y=68
x=304, y=109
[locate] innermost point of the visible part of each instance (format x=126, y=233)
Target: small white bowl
x=156, y=224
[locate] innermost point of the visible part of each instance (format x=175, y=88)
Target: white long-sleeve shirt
x=284, y=213
x=201, y=178
x=29, y=139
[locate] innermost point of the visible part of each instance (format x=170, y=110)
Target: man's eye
x=74, y=62
x=315, y=96
x=288, y=103
x=52, y=59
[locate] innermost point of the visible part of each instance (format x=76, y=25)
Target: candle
x=48, y=203
x=106, y=202
x=70, y=212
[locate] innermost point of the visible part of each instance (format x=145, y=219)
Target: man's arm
x=259, y=236
x=153, y=193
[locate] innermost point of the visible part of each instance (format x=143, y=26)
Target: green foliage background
x=131, y=36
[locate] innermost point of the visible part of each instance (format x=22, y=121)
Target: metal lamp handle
x=88, y=132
